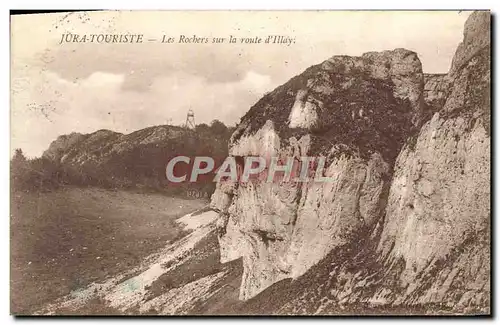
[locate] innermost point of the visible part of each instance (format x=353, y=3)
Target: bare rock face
x=79, y=148
x=406, y=222
x=438, y=212
x=436, y=90
x=431, y=253
x=357, y=113
x=476, y=37
x=59, y=146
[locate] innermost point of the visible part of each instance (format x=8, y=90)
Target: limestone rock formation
x=406, y=221
x=436, y=89
x=354, y=111
x=440, y=194
x=59, y=146
x=476, y=37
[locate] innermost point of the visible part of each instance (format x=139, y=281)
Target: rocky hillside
x=406, y=224
x=111, y=159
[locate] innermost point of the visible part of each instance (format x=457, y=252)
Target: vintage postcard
x=250, y=163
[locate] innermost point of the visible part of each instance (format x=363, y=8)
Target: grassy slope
x=65, y=239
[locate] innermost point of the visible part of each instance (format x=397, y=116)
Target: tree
x=218, y=128
x=18, y=157
x=202, y=127
x=18, y=169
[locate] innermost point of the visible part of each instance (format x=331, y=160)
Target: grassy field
x=66, y=239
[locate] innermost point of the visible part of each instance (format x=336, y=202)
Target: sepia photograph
x=264, y=163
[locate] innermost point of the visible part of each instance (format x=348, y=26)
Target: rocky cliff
x=356, y=112
x=438, y=212
x=405, y=222
x=436, y=88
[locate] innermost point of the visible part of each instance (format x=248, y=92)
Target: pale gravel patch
x=191, y=222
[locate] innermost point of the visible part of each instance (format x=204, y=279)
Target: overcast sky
x=83, y=87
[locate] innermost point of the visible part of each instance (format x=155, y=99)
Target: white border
x=255, y=4
x=195, y=5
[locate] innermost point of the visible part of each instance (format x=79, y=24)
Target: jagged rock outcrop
x=406, y=222
x=355, y=111
x=477, y=36
x=440, y=193
x=62, y=144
